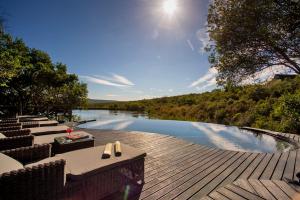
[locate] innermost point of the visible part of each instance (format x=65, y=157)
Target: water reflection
x=212, y=135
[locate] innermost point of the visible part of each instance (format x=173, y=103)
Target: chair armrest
x=16, y=142
x=44, y=181
x=13, y=133
x=31, y=154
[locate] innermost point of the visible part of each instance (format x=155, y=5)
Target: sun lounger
x=33, y=119
x=48, y=123
x=49, y=139
x=8, y=120
x=13, y=133
x=6, y=128
x=8, y=124
x=80, y=174
x=15, y=142
x=48, y=130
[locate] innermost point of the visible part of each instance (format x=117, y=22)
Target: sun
x=170, y=7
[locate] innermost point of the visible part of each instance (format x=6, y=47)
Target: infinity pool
x=212, y=135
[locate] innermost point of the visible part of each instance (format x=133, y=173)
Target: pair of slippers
x=108, y=150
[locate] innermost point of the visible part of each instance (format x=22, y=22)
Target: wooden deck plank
x=231, y=195
x=278, y=172
x=286, y=188
x=246, y=174
x=275, y=190
x=261, y=167
x=220, y=177
x=290, y=166
x=179, y=169
x=217, y=196
x=261, y=189
x=195, y=187
x=180, y=184
x=297, y=164
x=244, y=193
x=244, y=184
x=237, y=172
x=167, y=185
x=167, y=174
x=267, y=173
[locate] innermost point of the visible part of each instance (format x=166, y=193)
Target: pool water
x=211, y=135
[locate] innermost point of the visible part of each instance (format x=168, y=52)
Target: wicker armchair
x=40, y=182
x=13, y=133
x=46, y=181
x=7, y=128
x=16, y=142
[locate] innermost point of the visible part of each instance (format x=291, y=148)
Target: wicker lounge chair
x=15, y=142
x=9, y=124
x=30, y=124
x=13, y=133
x=85, y=176
x=7, y=128
x=8, y=120
x=48, y=130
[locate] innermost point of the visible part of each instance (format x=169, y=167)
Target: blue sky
x=123, y=49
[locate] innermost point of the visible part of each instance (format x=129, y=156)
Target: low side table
x=63, y=144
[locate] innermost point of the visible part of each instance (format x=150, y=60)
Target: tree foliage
x=274, y=105
x=31, y=82
x=252, y=35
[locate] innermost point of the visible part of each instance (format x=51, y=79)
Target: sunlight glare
x=170, y=6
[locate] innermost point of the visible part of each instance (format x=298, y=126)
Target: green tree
x=252, y=35
x=30, y=82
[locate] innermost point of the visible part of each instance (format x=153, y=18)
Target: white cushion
x=9, y=164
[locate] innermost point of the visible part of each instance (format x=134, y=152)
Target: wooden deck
x=177, y=169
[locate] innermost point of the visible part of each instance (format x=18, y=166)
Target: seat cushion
x=48, y=130
x=2, y=136
x=89, y=161
x=48, y=139
x=9, y=164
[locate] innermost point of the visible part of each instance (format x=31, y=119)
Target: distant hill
x=274, y=105
x=96, y=101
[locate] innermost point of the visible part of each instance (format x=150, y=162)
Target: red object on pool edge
x=69, y=130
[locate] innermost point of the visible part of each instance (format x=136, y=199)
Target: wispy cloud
x=206, y=81
x=203, y=37
x=190, y=44
x=116, y=80
x=122, y=80
x=112, y=95
x=267, y=74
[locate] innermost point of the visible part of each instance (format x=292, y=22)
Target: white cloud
x=203, y=38
x=122, y=80
x=267, y=74
x=116, y=80
x=170, y=90
x=101, y=81
x=112, y=95
x=190, y=44
x=207, y=79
